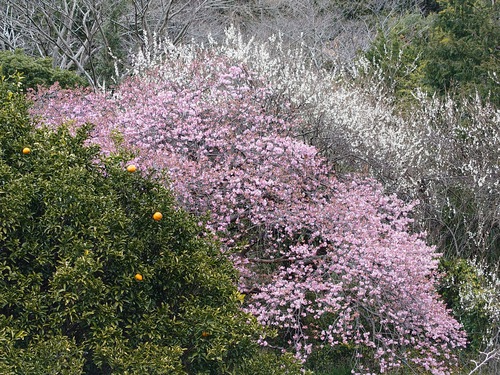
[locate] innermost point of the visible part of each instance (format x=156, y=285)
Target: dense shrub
x=474, y=294
x=37, y=71
x=326, y=261
x=396, y=57
x=462, y=52
x=90, y=282
x=472, y=291
x=453, y=51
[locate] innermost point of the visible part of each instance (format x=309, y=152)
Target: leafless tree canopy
x=80, y=34
x=95, y=37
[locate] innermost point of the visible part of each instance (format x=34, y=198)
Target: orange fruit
x=26, y=150
x=131, y=168
x=138, y=277
x=157, y=216
x=205, y=334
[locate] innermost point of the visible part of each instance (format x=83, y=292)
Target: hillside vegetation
x=326, y=170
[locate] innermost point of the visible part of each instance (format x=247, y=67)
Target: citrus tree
x=102, y=272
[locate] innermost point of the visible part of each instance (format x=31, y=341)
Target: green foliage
x=14, y=118
x=75, y=230
x=332, y=361
x=453, y=51
x=269, y=363
x=463, y=50
x=473, y=298
x=398, y=55
x=55, y=355
x=108, y=63
x=37, y=71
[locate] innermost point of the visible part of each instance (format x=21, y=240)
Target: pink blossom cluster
x=325, y=260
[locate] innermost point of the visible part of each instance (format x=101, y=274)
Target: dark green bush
x=75, y=230
x=398, y=56
x=469, y=291
x=269, y=363
x=37, y=71
x=453, y=51
x=463, y=50
x=332, y=361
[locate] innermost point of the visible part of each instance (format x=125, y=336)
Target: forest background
x=405, y=92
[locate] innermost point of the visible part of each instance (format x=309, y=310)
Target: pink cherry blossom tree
x=326, y=260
